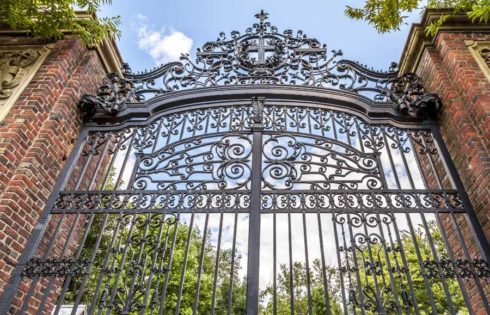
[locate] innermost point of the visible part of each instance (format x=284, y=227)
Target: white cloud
x=163, y=45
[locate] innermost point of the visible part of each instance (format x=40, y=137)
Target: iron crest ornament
x=263, y=56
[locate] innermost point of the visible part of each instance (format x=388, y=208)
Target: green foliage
x=52, y=18
x=123, y=242
x=400, y=279
x=133, y=258
x=364, y=280
x=389, y=15
x=318, y=296
x=119, y=248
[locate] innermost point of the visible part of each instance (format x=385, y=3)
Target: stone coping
x=417, y=40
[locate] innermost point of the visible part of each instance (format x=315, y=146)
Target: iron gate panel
x=234, y=203
x=354, y=218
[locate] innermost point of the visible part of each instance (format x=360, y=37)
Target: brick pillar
x=451, y=65
x=38, y=131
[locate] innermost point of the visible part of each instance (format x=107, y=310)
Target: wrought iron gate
x=268, y=177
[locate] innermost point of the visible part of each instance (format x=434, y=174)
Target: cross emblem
x=255, y=44
x=261, y=49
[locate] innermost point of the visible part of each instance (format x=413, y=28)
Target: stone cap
x=417, y=40
x=107, y=51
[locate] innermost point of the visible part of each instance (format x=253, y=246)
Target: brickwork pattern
x=450, y=70
x=36, y=138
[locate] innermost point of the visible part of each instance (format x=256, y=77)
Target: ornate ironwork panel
x=264, y=56
x=257, y=205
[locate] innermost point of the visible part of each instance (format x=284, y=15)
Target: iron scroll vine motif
x=58, y=267
x=263, y=56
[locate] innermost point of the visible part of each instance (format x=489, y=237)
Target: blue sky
x=155, y=31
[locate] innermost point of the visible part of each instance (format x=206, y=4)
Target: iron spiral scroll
x=268, y=174
x=263, y=56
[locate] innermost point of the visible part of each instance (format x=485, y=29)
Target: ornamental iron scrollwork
x=55, y=267
x=464, y=268
x=111, y=96
x=300, y=162
x=263, y=56
x=410, y=96
x=221, y=162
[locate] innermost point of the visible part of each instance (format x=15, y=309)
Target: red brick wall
x=450, y=70
x=36, y=137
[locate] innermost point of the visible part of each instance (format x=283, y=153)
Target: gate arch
x=288, y=182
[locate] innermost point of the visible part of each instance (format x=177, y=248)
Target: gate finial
x=262, y=16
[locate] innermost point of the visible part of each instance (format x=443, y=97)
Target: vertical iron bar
x=307, y=265
x=216, y=266
x=54, y=237
x=106, y=261
x=388, y=263
x=230, y=293
x=254, y=222
x=324, y=277
x=127, y=246
x=354, y=259
x=199, y=272
x=68, y=280
x=153, y=262
x=184, y=268
x=87, y=229
x=473, y=222
x=339, y=261
x=136, y=265
x=169, y=266
x=405, y=263
x=468, y=256
x=291, y=267
x=453, y=262
x=439, y=269
x=274, y=262
x=421, y=264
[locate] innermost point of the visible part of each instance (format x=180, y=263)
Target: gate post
x=39, y=124
x=455, y=64
x=253, y=264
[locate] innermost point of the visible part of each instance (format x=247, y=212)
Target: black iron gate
x=268, y=177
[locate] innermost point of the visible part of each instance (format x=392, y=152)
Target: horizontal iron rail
x=127, y=201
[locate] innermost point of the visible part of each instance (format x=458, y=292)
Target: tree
x=136, y=257
x=134, y=260
x=363, y=278
x=52, y=18
x=388, y=15
x=368, y=273
x=301, y=304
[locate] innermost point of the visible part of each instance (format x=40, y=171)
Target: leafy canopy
x=51, y=18
x=388, y=15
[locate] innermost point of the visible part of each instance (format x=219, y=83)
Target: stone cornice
x=417, y=40
x=107, y=50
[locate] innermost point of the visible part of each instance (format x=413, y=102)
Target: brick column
x=38, y=133
x=449, y=67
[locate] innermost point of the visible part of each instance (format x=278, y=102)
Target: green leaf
x=54, y=18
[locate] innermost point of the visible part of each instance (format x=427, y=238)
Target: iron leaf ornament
x=409, y=96
x=111, y=96
x=263, y=56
